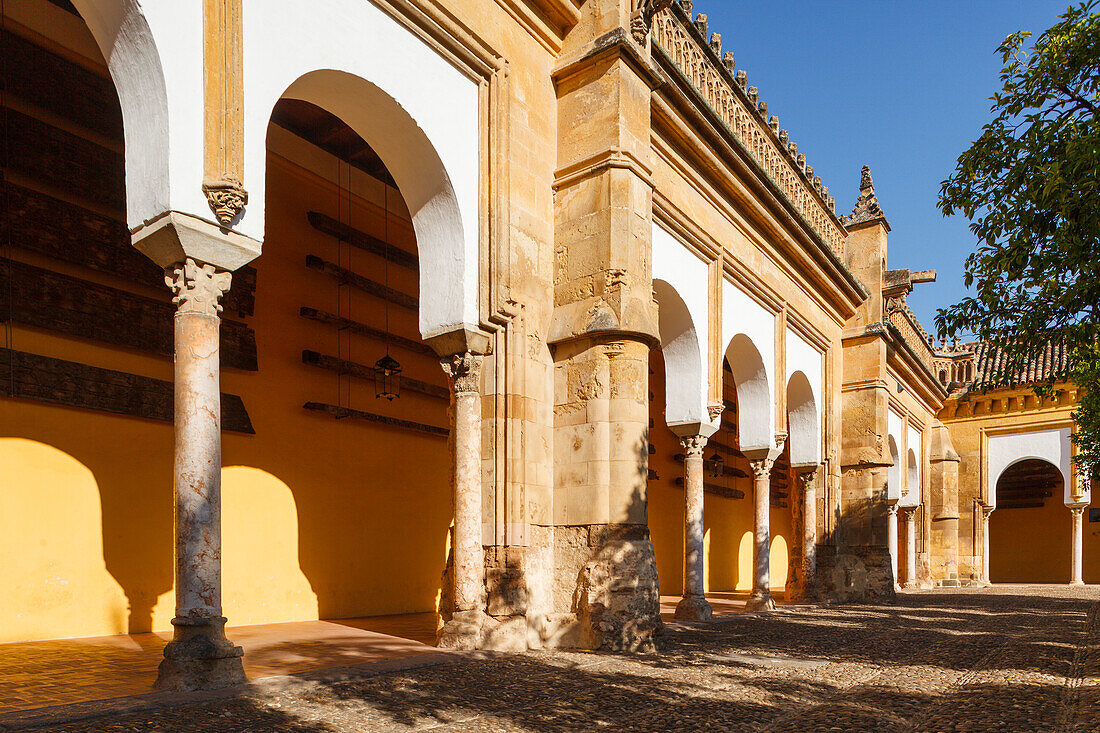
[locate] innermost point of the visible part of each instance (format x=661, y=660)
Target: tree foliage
x=1030, y=186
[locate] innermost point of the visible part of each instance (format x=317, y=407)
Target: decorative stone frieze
x=746, y=118
x=642, y=18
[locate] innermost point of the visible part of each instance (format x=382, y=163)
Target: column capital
x=197, y=286
x=761, y=467
x=807, y=475
x=892, y=508
x=909, y=511
x=464, y=370
x=1077, y=509
x=693, y=445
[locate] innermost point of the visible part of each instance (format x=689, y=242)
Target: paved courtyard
x=1016, y=658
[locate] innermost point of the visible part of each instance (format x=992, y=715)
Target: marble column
x=199, y=655
x=910, y=513
x=694, y=604
x=465, y=628
x=1077, y=512
x=892, y=538
x=987, y=580
x=807, y=479
x=761, y=597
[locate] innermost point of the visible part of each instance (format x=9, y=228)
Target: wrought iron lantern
x=387, y=378
x=716, y=463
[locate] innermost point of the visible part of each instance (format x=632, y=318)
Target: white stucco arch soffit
x=680, y=282
x=418, y=111
x=805, y=373
x=895, y=437
x=143, y=58
x=1053, y=446
x=748, y=330
x=914, y=471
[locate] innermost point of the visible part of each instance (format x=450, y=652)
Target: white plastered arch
x=680, y=282
x=1053, y=446
x=154, y=54
x=914, y=447
x=804, y=437
x=748, y=330
x=803, y=408
x=416, y=110
x=895, y=425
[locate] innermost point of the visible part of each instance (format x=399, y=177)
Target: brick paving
x=1006, y=659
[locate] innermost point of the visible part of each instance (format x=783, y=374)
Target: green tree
x=1030, y=186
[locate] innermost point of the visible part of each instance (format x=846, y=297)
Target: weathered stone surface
x=857, y=574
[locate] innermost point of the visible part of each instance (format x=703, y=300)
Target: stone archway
x=1030, y=531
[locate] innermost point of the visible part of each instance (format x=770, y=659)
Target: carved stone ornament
x=464, y=370
x=693, y=445
x=762, y=467
x=226, y=196
x=642, y=19
x=715, y=411
x=867, y=207
x=807, y=476
x=198, y=287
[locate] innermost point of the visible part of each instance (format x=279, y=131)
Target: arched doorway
x=1029, y=533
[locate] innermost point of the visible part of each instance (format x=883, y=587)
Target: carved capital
x=198, y=288
x=762, y=467
x=226, y=196
x=715, y=411
x=807, y=476
x=892, y=508
x=908, y=513
x=464, y=370
x=693, y=445
x=1077, y=510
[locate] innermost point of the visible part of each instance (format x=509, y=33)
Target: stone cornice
x=918, y=375
x=730, y=168
x=546, y=21
x=682, y=45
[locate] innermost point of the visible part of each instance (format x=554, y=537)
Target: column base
x=760, y=602
x=1076, y=582
x=200, y=657
x=694, y=608
x=465, y=631
x=910, y=585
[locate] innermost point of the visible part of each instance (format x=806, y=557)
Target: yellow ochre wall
x=321, y=518
x=1025, y=545
x=727, y=542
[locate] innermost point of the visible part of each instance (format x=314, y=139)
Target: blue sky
x=901, y=86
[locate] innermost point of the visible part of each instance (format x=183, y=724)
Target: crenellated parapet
x=725, y=89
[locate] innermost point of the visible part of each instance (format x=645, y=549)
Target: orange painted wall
x=727, y=522
x=1033, y=545
x=322, y=518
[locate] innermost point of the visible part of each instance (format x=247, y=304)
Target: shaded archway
x=338, y=291
x=754, y=400
x=1029, y=533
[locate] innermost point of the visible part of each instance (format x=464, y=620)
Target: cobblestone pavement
x=1009, y=659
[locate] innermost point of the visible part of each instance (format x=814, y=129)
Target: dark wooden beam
x=361, y=240
x=362, y=371
x=709, y=488
x=362, y=329
x=709, y=466
x=65, y=161
x=69, y=233
x=32, y=296
x=55, y=84
x=365, y=284
x=26, y=376
x=347, y=412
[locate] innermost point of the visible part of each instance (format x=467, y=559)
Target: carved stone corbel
x=642, y=19
x=226, y=196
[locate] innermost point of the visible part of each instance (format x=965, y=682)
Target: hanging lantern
x=716, y=462
x=387, y=378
